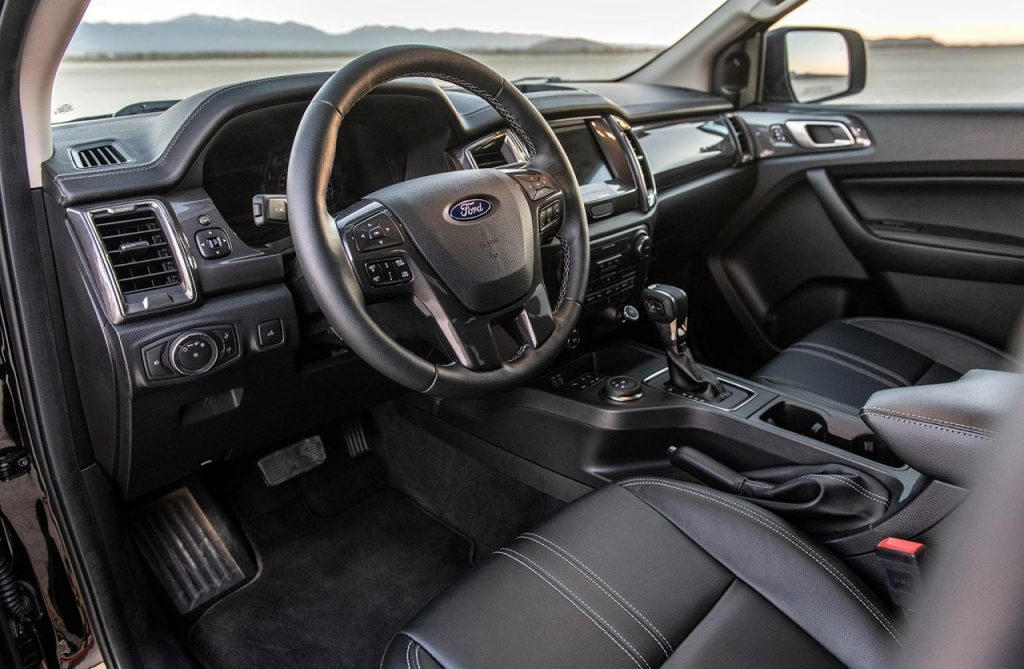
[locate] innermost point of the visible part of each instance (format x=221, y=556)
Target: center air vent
x=742, y=136
x=636, y=154
x=497, y=150
x=100, y=155
x=141, y=259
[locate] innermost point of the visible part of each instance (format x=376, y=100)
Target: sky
x=951, y=21
x=593, y=19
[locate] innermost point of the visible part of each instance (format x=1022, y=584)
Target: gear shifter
x=667, y=307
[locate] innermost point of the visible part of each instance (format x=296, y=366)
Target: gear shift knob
x=664, y=303
x=667, y=307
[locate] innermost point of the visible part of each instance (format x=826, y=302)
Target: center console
x=628, y=410
x=619, y=196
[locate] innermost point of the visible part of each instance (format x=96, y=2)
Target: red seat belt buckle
x=901, y=562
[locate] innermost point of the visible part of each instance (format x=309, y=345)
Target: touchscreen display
x=584, y=154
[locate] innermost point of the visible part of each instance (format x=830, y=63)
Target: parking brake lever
x=705, y=468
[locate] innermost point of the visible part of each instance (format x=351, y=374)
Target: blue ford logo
x=469, y=210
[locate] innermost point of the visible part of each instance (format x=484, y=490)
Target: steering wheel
x=459, y=253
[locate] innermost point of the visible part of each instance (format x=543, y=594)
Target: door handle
x=821, y=134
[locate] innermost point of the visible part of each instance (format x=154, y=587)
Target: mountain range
x=207, y=34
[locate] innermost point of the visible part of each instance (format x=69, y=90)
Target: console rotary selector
x=642, y=245
x=193, y=353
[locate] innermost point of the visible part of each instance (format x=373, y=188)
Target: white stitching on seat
x=928, y=425
x=756, y=484
x=583, y=602
x=408, y=653
x=788, y=536
x=662, y=642
x=924, y=326
x=864, y=372
x=568, y=599
x=929, y=420
x=859, y=489
x=855, y=358
x=416, y=655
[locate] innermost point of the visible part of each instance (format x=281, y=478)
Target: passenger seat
x=844, y=362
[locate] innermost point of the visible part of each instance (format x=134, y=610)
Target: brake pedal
x=287, y=463
x=186, y=552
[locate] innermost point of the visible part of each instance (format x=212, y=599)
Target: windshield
x=132, y=56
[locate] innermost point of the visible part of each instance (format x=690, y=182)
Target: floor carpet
x=330, y=591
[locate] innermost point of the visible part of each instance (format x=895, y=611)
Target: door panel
x=926, y=223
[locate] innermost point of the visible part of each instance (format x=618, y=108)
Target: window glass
x=930, y=51
x=136, y=56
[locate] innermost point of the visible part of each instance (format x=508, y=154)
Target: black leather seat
x=846, y=361
x=653, y=573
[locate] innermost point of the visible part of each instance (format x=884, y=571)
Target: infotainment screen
x=584, y=153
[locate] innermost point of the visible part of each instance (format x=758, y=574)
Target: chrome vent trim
x=105, y=154
x=744, y=142
x=137, y=257
x=638, y=163
x=499, y=149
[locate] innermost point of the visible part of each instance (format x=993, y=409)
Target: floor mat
x=331, y=591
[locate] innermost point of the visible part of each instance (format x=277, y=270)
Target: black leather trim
x=655, y=573
x=944, y=430
x=845, y=361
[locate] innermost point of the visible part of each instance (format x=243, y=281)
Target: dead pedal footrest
x=185, y=551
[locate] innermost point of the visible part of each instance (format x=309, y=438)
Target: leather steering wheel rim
x=327, y=258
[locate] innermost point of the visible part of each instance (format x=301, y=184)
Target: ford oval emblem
x=469, y=210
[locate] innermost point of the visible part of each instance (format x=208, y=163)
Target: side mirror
x=813, y=64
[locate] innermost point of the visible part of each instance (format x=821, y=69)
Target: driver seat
x=648, y=573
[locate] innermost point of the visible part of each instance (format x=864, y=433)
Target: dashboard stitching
x=60, y=179
x=512, y=122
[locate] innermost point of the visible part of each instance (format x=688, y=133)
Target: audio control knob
x=642, y=246
x=193, y=353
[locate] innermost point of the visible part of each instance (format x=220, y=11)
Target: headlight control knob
x=193, y=353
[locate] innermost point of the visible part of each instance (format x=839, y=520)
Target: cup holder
x=852, y=436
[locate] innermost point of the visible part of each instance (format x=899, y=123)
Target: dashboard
x=193, y=335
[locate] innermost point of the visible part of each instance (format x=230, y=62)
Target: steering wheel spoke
x=547, y=200
x=379, y=251
x=535, y=322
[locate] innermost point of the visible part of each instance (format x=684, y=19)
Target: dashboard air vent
x=489, y=154
x=100, y=155
x=742, y=135
x=137, y=245
x=497, y=150
x=637, y=151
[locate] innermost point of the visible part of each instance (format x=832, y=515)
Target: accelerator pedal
x=185, y=550
x=287, y=463
x=355, y=436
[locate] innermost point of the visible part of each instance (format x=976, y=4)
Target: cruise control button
x=388, y=272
